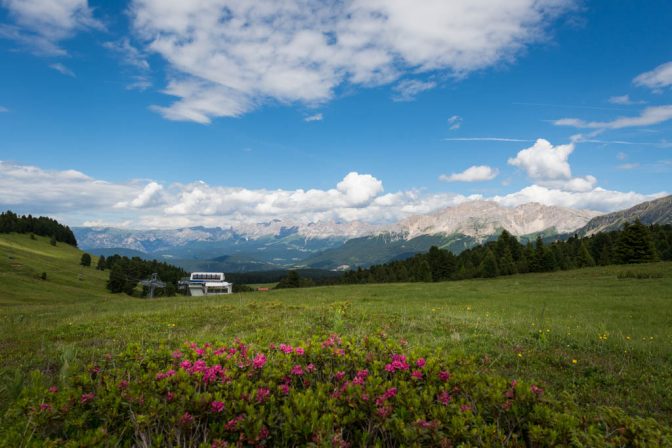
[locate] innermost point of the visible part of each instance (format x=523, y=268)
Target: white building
x=208, y=284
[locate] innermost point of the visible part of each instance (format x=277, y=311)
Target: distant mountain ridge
x=658, y=211
x=330, y=245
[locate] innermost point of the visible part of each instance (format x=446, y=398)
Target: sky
x=166, y=113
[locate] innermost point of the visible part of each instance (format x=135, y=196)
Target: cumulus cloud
x=471, y=174
x=42, y=24
x=129, y=54
x=649, y=116
x=150, y=196
x=62, y=69
x=597, y=199
x=229, y=56
x=656, y=79
x=76, y=198
x=316, y=117
x=548, y=166
x=409, y=89
x=51, y=190
x=454, y=122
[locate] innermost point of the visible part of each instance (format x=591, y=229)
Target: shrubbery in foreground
x=326, y=392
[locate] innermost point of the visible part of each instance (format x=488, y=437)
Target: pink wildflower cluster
x=398, y=363
x=262, y=394
x=259, y=361
x=217, y=406
x=444, y=375
x=424, y=424
x=536, y=390
x=164, y=375
x=389, y=393
x=232, y=424
x=297, y=370
x=331, y=341
x=444, y=398
x=85, y=398
x=286, y=349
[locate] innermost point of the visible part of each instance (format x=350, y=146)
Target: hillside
x=23, y=260
x=658, y=211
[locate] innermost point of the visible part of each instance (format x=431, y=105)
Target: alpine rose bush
x=325, y=392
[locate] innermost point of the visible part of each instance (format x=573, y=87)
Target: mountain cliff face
x=330, y=245
x=481, y=219
x=658, y=211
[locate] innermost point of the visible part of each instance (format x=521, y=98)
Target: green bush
x=326, y=392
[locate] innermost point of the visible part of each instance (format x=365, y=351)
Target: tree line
x=10, y=222
x=126, y=273
x=635, y=243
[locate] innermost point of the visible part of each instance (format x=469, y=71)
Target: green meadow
x=602, y=339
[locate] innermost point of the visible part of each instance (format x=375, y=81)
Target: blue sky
x=167, y=113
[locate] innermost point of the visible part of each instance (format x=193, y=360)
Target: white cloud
x=62, y=69
x=409, y=89
x=130, y=54
x=548, y=166
x=543, y=161
x=656, y=79
x=649, y=116
x=150, y=196
x=628, y=166
x=454, y=122
x=471, y=174
x=42, y=24
x=621, y=156
x=77, y=198
x=50, y=190
x=229, y=56
x=624, y=100
x=316, y=117
x=597, y=199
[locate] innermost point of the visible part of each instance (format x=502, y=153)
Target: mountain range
x=338, y=246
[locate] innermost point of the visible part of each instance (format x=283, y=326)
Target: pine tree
x=488, y=266
x=505, y=262
x=85, y=260
x=635, y=245
x=117, y=280
x=101, y=263
x=584, y=258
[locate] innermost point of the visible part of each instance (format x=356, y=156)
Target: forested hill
x=635, y=243
x=11, y=222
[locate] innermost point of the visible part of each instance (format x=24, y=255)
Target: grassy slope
x=529, y=326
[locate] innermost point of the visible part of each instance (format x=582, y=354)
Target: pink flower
x=232, y=424
x=340, y=352
x=444, y=398
x=297, y=370
x=186, y=419
x=263, y=433
x=53, y=390
x=185, y=364
x=262, y=394
x=444, y=375
x=45, y=407
x=259, y=361
x=420, y=362
x=170, y=396
x=299, y=351
x=176, y=354
x=310, y=368
x=363, y=373
x=384, y=411
x=287, y=349
x=465, y=408
x=87, y=397
x=284, y=388
x=217, y=406
x=123, y=384
x=200, y=352
x=427, y=425
x=416, y=375
x=339, y=375
x=538, y=391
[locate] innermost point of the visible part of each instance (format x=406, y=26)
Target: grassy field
x=587, y=333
